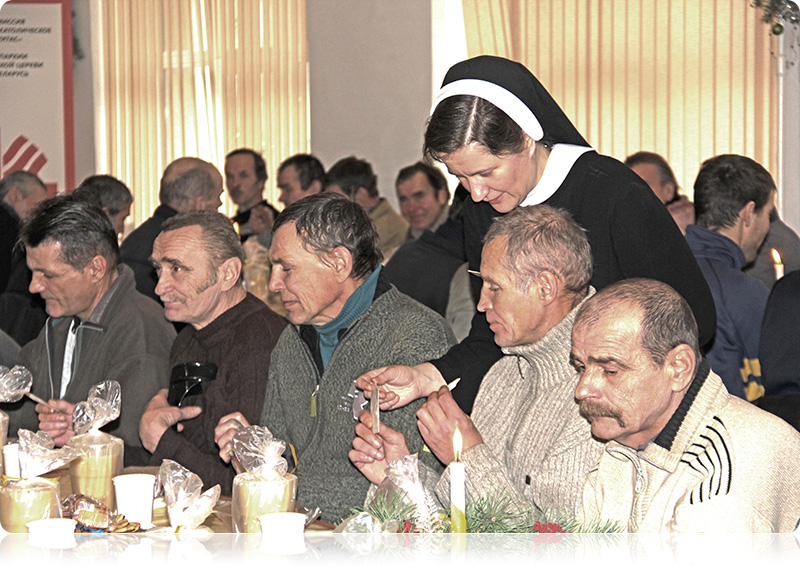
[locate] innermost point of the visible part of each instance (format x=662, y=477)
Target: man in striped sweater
x=683, y=455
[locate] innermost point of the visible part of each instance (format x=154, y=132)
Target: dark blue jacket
x=740, y=301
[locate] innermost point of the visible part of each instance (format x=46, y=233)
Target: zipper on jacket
x=638, y=488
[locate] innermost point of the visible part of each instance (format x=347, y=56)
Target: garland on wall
x=780, y=15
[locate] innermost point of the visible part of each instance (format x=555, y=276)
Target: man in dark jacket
x=733, y=198
x=99, y=327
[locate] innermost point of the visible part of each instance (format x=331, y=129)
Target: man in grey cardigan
x=525, y=438
x=347, y=319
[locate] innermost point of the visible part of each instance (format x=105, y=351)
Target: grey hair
x=665, y=317
x=544, y=238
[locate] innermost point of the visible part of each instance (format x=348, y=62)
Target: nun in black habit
x=499, y=131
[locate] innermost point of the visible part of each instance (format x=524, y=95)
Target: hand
x=401, y=384
x=158, y=416
x=58, y=424
x=224, y=432
x=371, y=453
x=437, y=420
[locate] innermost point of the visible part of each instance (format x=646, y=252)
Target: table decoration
x=264, y=486
x=32, y=497
x=778, y=263
x=101, y=453
x=458, y=482
x=187, y=506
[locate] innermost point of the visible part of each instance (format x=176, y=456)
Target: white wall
x=84, y=101
x=370, y=82
x=788, y=179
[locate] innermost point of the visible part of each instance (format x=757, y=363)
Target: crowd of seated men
x=598, y=400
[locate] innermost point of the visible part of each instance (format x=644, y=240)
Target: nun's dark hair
x=464, y=119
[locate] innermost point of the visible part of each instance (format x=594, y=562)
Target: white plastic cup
x=11, y=460
x=134, y=493
x=282, y=533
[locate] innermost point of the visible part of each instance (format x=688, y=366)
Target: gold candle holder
x=28, y=500
x=254, y=496
x=92, y=473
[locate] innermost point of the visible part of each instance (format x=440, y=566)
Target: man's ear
x=229, y=272
x=314, y=188
x=342, y=261
x=97, y=267
x=748, y=213
x=548, y=286
x=680, y=365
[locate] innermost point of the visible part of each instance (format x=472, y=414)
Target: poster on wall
x=36, y=112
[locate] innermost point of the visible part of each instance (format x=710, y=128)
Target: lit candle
x=236, y=227
x=776, y=257
x=458, y=518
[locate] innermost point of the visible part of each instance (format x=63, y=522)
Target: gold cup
x=254, y=496
x=27, y=500
x=92, y=474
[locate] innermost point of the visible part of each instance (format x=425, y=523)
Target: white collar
x=559, y=164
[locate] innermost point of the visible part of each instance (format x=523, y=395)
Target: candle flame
x=776, y=257
x=236, y=227
x=457, y=445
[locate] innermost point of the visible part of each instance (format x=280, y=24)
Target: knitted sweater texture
x=537, y=449
x=395, y=329
x=719, y=465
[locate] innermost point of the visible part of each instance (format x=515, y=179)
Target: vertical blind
x=688, y=79
x=198, y=78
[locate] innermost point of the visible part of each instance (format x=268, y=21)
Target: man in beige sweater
x=683, y=454
x=525, y=438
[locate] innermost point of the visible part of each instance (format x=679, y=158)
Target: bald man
x=188, y=183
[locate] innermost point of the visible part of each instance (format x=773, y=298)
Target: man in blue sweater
x=733, y=198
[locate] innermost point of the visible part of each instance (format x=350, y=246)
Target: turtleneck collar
x=354, y=307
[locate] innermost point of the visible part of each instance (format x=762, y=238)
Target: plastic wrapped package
x=101, y=453
x=187, y=506
x=26, y=500
x=14, y=383
x=264, y=486
x=32, y=497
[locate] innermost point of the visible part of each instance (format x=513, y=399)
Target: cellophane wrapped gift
x=187, y=505
x=32, y=497
x=14, y=383
x=263, y=486
x=101, y=453
x=402, y=486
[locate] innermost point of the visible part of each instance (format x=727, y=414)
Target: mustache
x=592, y=411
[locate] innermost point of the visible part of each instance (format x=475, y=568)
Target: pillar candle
x=458, y=519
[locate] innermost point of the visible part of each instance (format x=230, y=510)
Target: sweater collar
x=224, y=323
x=124, y=282
x=547, y=354
x=668, y=446
x=355, y=306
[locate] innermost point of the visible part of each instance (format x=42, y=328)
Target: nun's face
x=503, y=181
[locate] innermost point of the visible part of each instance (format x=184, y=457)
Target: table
x=220, y=520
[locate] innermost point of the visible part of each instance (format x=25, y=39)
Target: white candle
x=11, y=460
x=776, y=258
x=458, y=519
